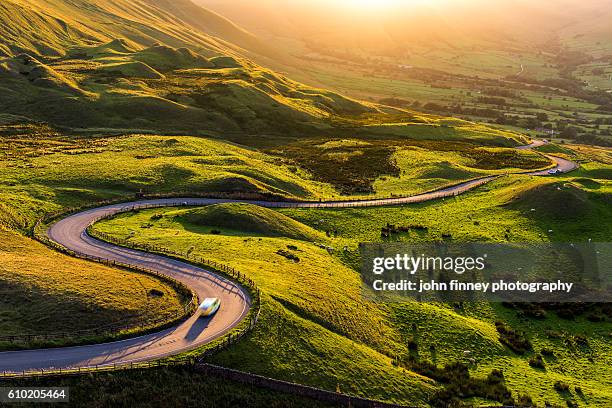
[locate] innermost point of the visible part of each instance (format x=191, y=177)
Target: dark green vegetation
x=367, y=165
x=165, y=387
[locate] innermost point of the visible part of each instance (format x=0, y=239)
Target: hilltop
x=50, y=27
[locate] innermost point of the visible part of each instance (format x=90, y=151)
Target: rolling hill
x=48, y=28
x=151, y=65
x=159, y=66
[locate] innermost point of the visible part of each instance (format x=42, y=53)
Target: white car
x=554, y=171
x=209, y=307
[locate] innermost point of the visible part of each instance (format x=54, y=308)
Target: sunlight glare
x=383, y=6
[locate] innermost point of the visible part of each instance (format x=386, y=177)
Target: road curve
x=561, y=165
x=71, y=232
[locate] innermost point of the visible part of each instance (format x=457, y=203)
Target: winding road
x=71, y=232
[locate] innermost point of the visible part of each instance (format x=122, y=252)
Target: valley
x=246, y=151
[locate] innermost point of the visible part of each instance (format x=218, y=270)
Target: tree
x=570, y=132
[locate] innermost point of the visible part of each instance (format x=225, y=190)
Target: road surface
x=71, y=232
x=561, y=165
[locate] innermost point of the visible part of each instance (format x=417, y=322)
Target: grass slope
x=50, y=27
x=164, y=387
x=246, y=217
x=313, y=308
x=310, y=296
x=369, y=165
x=45, y=293
x=500, y=211
x=153, y=65
x=44, y=173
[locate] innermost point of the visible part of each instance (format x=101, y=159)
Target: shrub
x=524, y=401
x=596, y=318
x=459, y=385
x=547, y=352
x=215, y=232
x=561, y=386
x=156, y=293
x=288, y=255
x=536, y=361
x=516, y=341
x=581, y=340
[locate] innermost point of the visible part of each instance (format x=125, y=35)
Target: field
x=371, y=166
x=323, y=307
x=312, y=300
x=45, y=171
x=41, y=173
x=547, y=88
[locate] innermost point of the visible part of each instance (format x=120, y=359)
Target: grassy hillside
x=314, y=329
x=312, y=306
x=146, y=64
x=46, y=172
x=536, y=68
x=161, y=66
x=163, y=387
x=46, y=293
x=51, y=27
x=116, y=85
x=245, y=217
x=404, y=166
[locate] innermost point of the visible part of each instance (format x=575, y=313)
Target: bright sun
x=385, y=5
x=374, y=4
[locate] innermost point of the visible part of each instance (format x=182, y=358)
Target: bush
x=536, y=361
x=561, y=386
x=581, y=340
x=459, y=385
x=547, y=352
x=516, y=341
x=524, y=401
x=156, y=293
x=288, y=255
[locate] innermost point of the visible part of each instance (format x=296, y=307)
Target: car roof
x=209, y=301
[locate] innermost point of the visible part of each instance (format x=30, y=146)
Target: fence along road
x=71, y=232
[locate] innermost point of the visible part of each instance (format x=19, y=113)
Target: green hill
x=50, y=27
x=247, y=217
x=161, y=66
